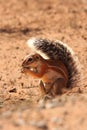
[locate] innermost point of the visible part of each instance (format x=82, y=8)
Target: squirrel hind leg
x=59, y=87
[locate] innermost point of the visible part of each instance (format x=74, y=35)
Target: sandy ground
x=65, y=20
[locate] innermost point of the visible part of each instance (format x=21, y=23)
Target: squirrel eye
x=30, y=59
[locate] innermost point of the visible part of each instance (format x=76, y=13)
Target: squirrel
x=54, y=63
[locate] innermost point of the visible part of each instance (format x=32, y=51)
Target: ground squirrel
x=54, y=63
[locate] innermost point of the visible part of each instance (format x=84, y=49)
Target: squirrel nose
x=23, y=63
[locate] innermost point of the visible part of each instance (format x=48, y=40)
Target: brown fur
x=53, y=74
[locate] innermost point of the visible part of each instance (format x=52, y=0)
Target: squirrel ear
x=37, y=57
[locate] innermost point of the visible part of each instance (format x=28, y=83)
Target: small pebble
x=19, y=122
x=57, y=120
x=13, y=90
x=42, y=124
x=17, y=47
x=39, y=124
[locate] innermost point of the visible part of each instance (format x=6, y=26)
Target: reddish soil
x=65, y=20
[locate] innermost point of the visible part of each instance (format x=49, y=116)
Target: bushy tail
x=59, y=51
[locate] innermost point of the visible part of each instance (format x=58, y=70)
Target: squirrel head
x=33, y=65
